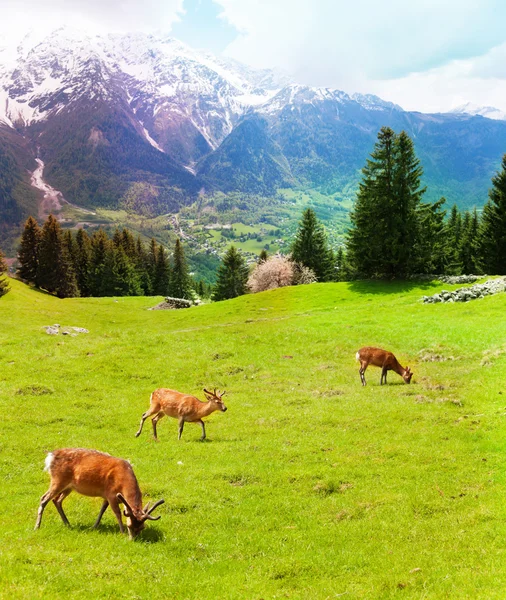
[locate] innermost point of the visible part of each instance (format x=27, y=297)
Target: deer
x=384, y=359
x=183, y=407
x=94, y=473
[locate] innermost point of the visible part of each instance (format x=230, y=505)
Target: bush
x=279, y=271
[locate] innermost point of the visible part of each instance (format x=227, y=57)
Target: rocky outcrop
x=480, y=290
x=173, y=303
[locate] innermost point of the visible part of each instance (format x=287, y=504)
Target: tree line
x=70, y=264
x=393, y=233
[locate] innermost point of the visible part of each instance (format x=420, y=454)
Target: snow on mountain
x=372, y=102
x=485, y=111
x=163, y=80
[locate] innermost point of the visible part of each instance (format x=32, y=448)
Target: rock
x=480, y=290
x=172, y=303
x=52, y=329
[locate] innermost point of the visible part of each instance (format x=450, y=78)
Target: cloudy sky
x=429, y=55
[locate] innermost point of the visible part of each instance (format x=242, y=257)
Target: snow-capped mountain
x=484, y=111
x=117, y=120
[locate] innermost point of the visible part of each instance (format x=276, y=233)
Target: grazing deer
x=183, y=407
x=94, y=473
x=384, y=359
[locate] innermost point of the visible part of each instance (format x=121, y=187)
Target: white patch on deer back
x=48, y=462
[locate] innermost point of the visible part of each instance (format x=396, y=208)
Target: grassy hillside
x=310, y=486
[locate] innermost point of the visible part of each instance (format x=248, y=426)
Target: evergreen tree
x=263, y=256
x=28, y=252
x=453, y=237
x=121, y=277
x=180, y=282
x=432, y=244
x=82, y=260
x=4, y=284
x=100, y=247
x=55, y=273
x=143, y=268
x=468, y=250
x=310, y=247
x=342, y=270
x=383, y=238
x=493, y=228
x=232, y=276
x=161, y=281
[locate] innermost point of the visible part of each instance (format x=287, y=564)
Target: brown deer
x=384, y=359
x=183, y=407
x=94, y=473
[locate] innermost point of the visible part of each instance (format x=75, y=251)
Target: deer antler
x=155, y=505
x=122, y=499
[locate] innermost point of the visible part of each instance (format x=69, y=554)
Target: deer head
x=136, y=517
x=216, y=399
x=407, y=375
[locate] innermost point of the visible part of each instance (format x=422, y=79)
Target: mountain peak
x=488, y=112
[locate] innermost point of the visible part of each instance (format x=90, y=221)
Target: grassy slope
x=310, y=487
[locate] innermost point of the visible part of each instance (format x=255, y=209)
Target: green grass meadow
x=309, y=486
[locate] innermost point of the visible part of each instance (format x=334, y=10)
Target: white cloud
x=18, y=16
x=424, y=51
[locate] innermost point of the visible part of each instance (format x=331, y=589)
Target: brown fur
x=94, y=473
x=183, y=407
x=383, y=359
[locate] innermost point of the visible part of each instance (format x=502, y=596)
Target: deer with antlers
x=94, y=473
x=383, y=359
x=183, y=407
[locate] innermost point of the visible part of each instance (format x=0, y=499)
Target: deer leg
x=180, y=428
x=147, y=414
x=58, y=503
x=203, y=429
x=154, y=421
x=362, y=374
x=383, y=375
x=117, y=512
x=101, y=513
x=46, y=498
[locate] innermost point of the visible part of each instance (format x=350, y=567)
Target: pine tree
x=82, y=260
x=342, y=270
x=180, y=282
x=453, y=238
x=232, y=276
x=4, y=284
x=28, y=252
x=161, y=281
x=263, y=256
x=310, y=247
x=55, y=273
x=143, y=268
x=122, y=277
x=406, y=201
x=432, y=243
x=384, y=236
x=100, y=247
x=468, y=249
x=493, y=228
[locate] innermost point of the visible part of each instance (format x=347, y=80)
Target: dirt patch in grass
x=34, y=390
x=427, y=355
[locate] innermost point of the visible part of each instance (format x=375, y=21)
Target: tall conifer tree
x=55, y=272
x=28, y=252
x=493, y=229
x=384, y=236
x=232, y=276
x=180, y=283
x=310, y=246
